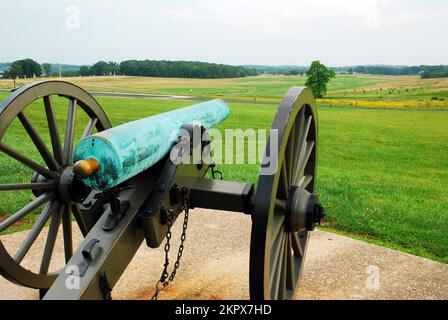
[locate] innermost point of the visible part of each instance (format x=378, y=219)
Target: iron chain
x=166, y=278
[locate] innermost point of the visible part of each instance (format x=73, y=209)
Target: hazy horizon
x=236, y=32
x=241, y=65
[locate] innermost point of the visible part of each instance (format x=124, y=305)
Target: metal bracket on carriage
x=89, y=253
x=166, y=201
x=118, y=208
x=178, y=196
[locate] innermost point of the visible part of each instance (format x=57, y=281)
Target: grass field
x=354, y=90
x=382, y=173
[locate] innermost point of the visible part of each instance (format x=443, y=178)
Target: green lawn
x=362, y=90
x=383, y=174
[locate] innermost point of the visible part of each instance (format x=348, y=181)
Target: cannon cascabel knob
x=86, y=168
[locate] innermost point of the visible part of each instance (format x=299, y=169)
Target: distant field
x=354, y=90
x=382, y=173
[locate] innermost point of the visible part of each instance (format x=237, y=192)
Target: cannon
x=128, y=184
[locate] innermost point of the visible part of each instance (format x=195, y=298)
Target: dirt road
x=216, y=259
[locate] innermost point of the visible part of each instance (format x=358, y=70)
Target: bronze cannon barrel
x=110, y=157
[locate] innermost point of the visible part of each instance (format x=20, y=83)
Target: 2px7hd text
x=231, y=309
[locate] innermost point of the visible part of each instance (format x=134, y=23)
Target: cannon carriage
x=122, y=186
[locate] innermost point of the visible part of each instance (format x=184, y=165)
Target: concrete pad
x=216, y=259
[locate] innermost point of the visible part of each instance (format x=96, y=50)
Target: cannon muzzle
x=86, y=168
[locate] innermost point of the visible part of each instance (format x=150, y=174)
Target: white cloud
x=231, y=31
x=292, y=14
x=370, y=11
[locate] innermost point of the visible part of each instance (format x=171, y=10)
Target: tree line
x=435, y=72
x=28, y=68
x=147, y=68
x=425, y=72
x=279, y=70
x=169, y=69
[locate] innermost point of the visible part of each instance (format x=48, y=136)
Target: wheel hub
x=68, y=187
x=303, y=210
x=37, y=178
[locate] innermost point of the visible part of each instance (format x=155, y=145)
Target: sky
x=237, y=32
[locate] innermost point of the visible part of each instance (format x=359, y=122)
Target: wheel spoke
x=283, y=269
x=290, y=153
x=79, y=218
x=280, y=204
x=299, y=123
x=70, y=133
x=67, y=231
x=284, y=184
x=304, y=160
x=53, y=128
x=38, y=142
x=296, y=245
x=36, y=230
x=30, y=207
x=89, y=129
x=296, y=174
x=302, y=149
x=276, y=266
x=276, y=239
x=278, y=225
x=51, y=240
x=290, y=277
x=305, y=181
x=27, y=162
x=276, y=250
x=25, y=186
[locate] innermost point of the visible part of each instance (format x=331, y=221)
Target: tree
x=14, y=71
x=47, y=69
x=113, y=67
x=24, y=68
x=318, y=77
x=294, y=72
x=85, y=71
x=101, y=68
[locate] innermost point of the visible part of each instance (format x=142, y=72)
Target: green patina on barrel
x=127, y=150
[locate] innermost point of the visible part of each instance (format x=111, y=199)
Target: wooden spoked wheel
x=49, y=165
x=285, y=206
